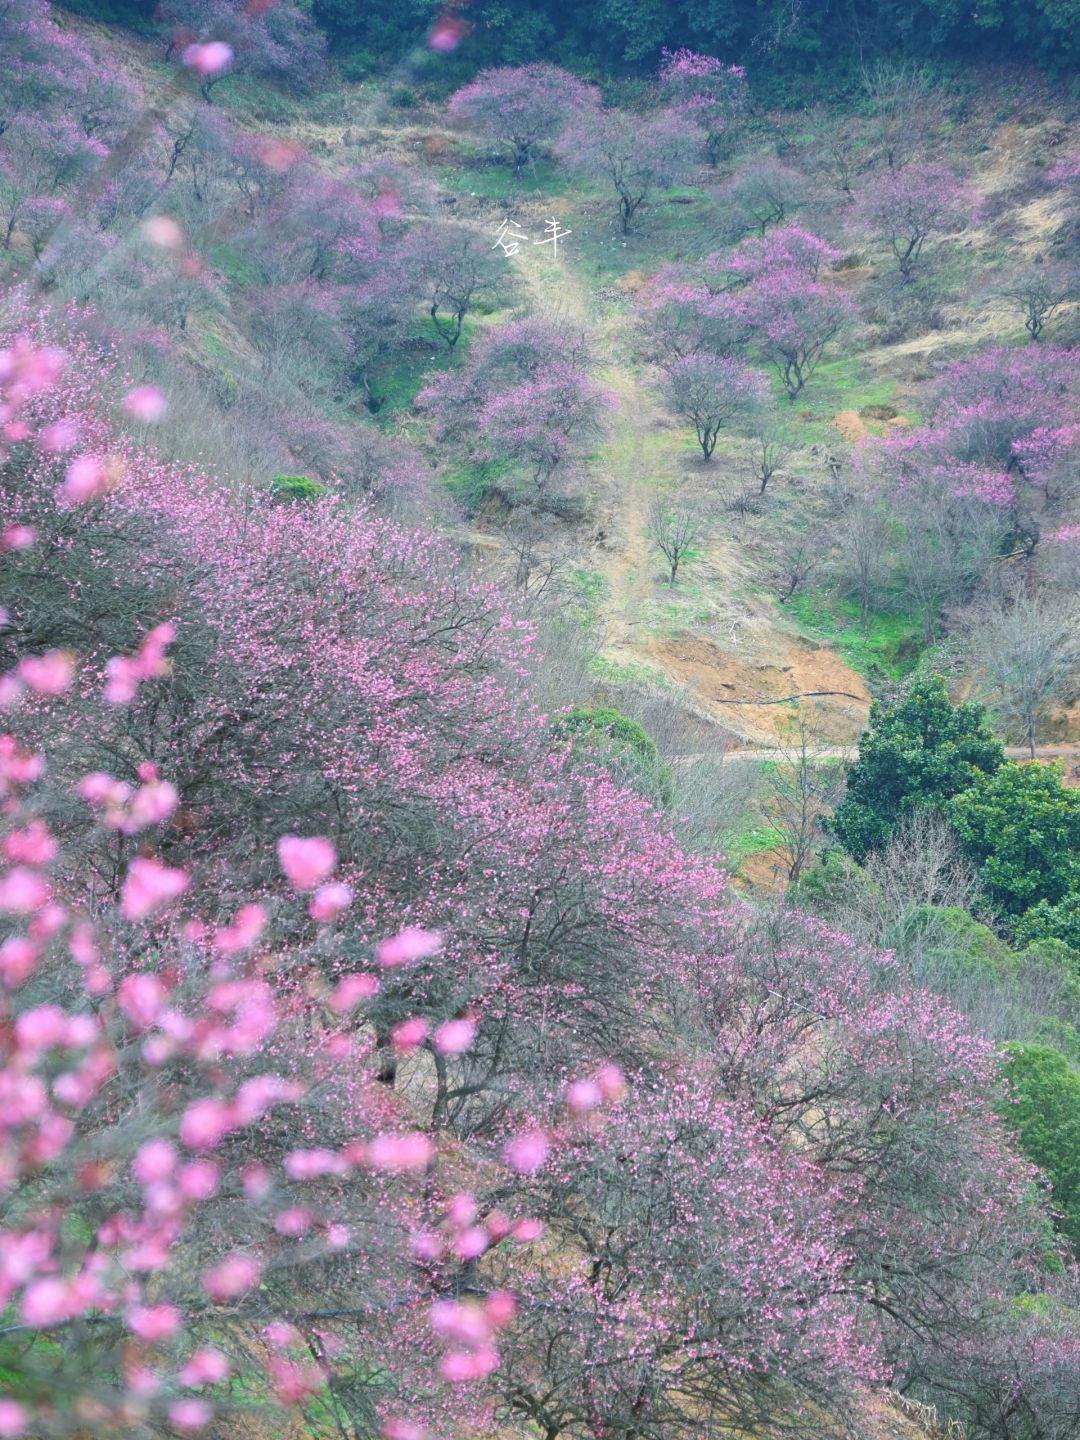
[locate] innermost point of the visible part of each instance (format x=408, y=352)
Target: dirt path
x=713, y=635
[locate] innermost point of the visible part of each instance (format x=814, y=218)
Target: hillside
x=540, y=864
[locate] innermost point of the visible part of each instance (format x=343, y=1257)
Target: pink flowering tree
x=906, y=208
x=683, y=316
x=715, y=393
x=707, y=91
x=541, y=422
x=635, y=155
x=526, y=395
x=792, y=318
x=278, y=41
x=788, y=247
x=524, y=106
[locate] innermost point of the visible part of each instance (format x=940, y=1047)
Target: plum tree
x=904, y=208
x=635, y=155
x=524, y=106
x=707, y=91
x=714, y=392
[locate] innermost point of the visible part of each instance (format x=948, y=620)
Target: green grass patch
x=233, y=263
x=494, y=181
x=398, y=379
x=750, y=836
x=470, y=484
x=887, y=647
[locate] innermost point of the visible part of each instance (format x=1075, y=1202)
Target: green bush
x=833, y=883
x=947, y=945
x=290, y=488
x=1021, y=827
x=1051, y=922
x=919, y=751
x=1045, y=1114
x=622, y=745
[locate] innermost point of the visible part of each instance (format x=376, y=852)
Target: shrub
x=296, y=487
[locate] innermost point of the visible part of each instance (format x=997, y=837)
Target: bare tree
x=767, y=449
x=675, y=526
x=1025, y=645
x=537, y=569
x=797, y=560
x=1039, y=291
x=862, y=534
x=906, y=108
x=799, y=788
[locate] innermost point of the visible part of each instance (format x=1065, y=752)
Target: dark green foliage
x=1045, y=1113
x=1021, y=827
x=1047, y=922
x=296, y=487
x=800, y=47
x=621, y=744
x=920, y=750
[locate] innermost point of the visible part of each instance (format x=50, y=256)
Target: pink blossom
x=49, y=674
x=472, y=1242
x=582, y=1095
x=459, y=1366
x=87, y=478
x=528, y=1230
x=47, y=1302
x=308, y=1164
x=306, y=860
x=447, y=33
x=243, y=933
x=399, y=1153
x=141, y=998
x=205, y=1367
x=32, y=845
x=191, y=1413
x=205, y=1123
x=351, y=989
x=409, y=1034
x=146, y=403
x=18, y=537
x=154, y=1160
x=463, y=1321
x=150, y=805
x=211, y=58
x=232, y=1276
x=149, y=886
x=455, y=1036
x=18, y=960
x=22, y=891
x=153, y=1322
x=398, y=1428
x=198, y=1179
x=294, y=1221
x=612, y=1082
x=125, y=673
x=58, y=437
x=329, y=901
x=500, y=1307
x=408, y=946
x=13, y=1418
x=42, y=1028
x=527, y=1152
